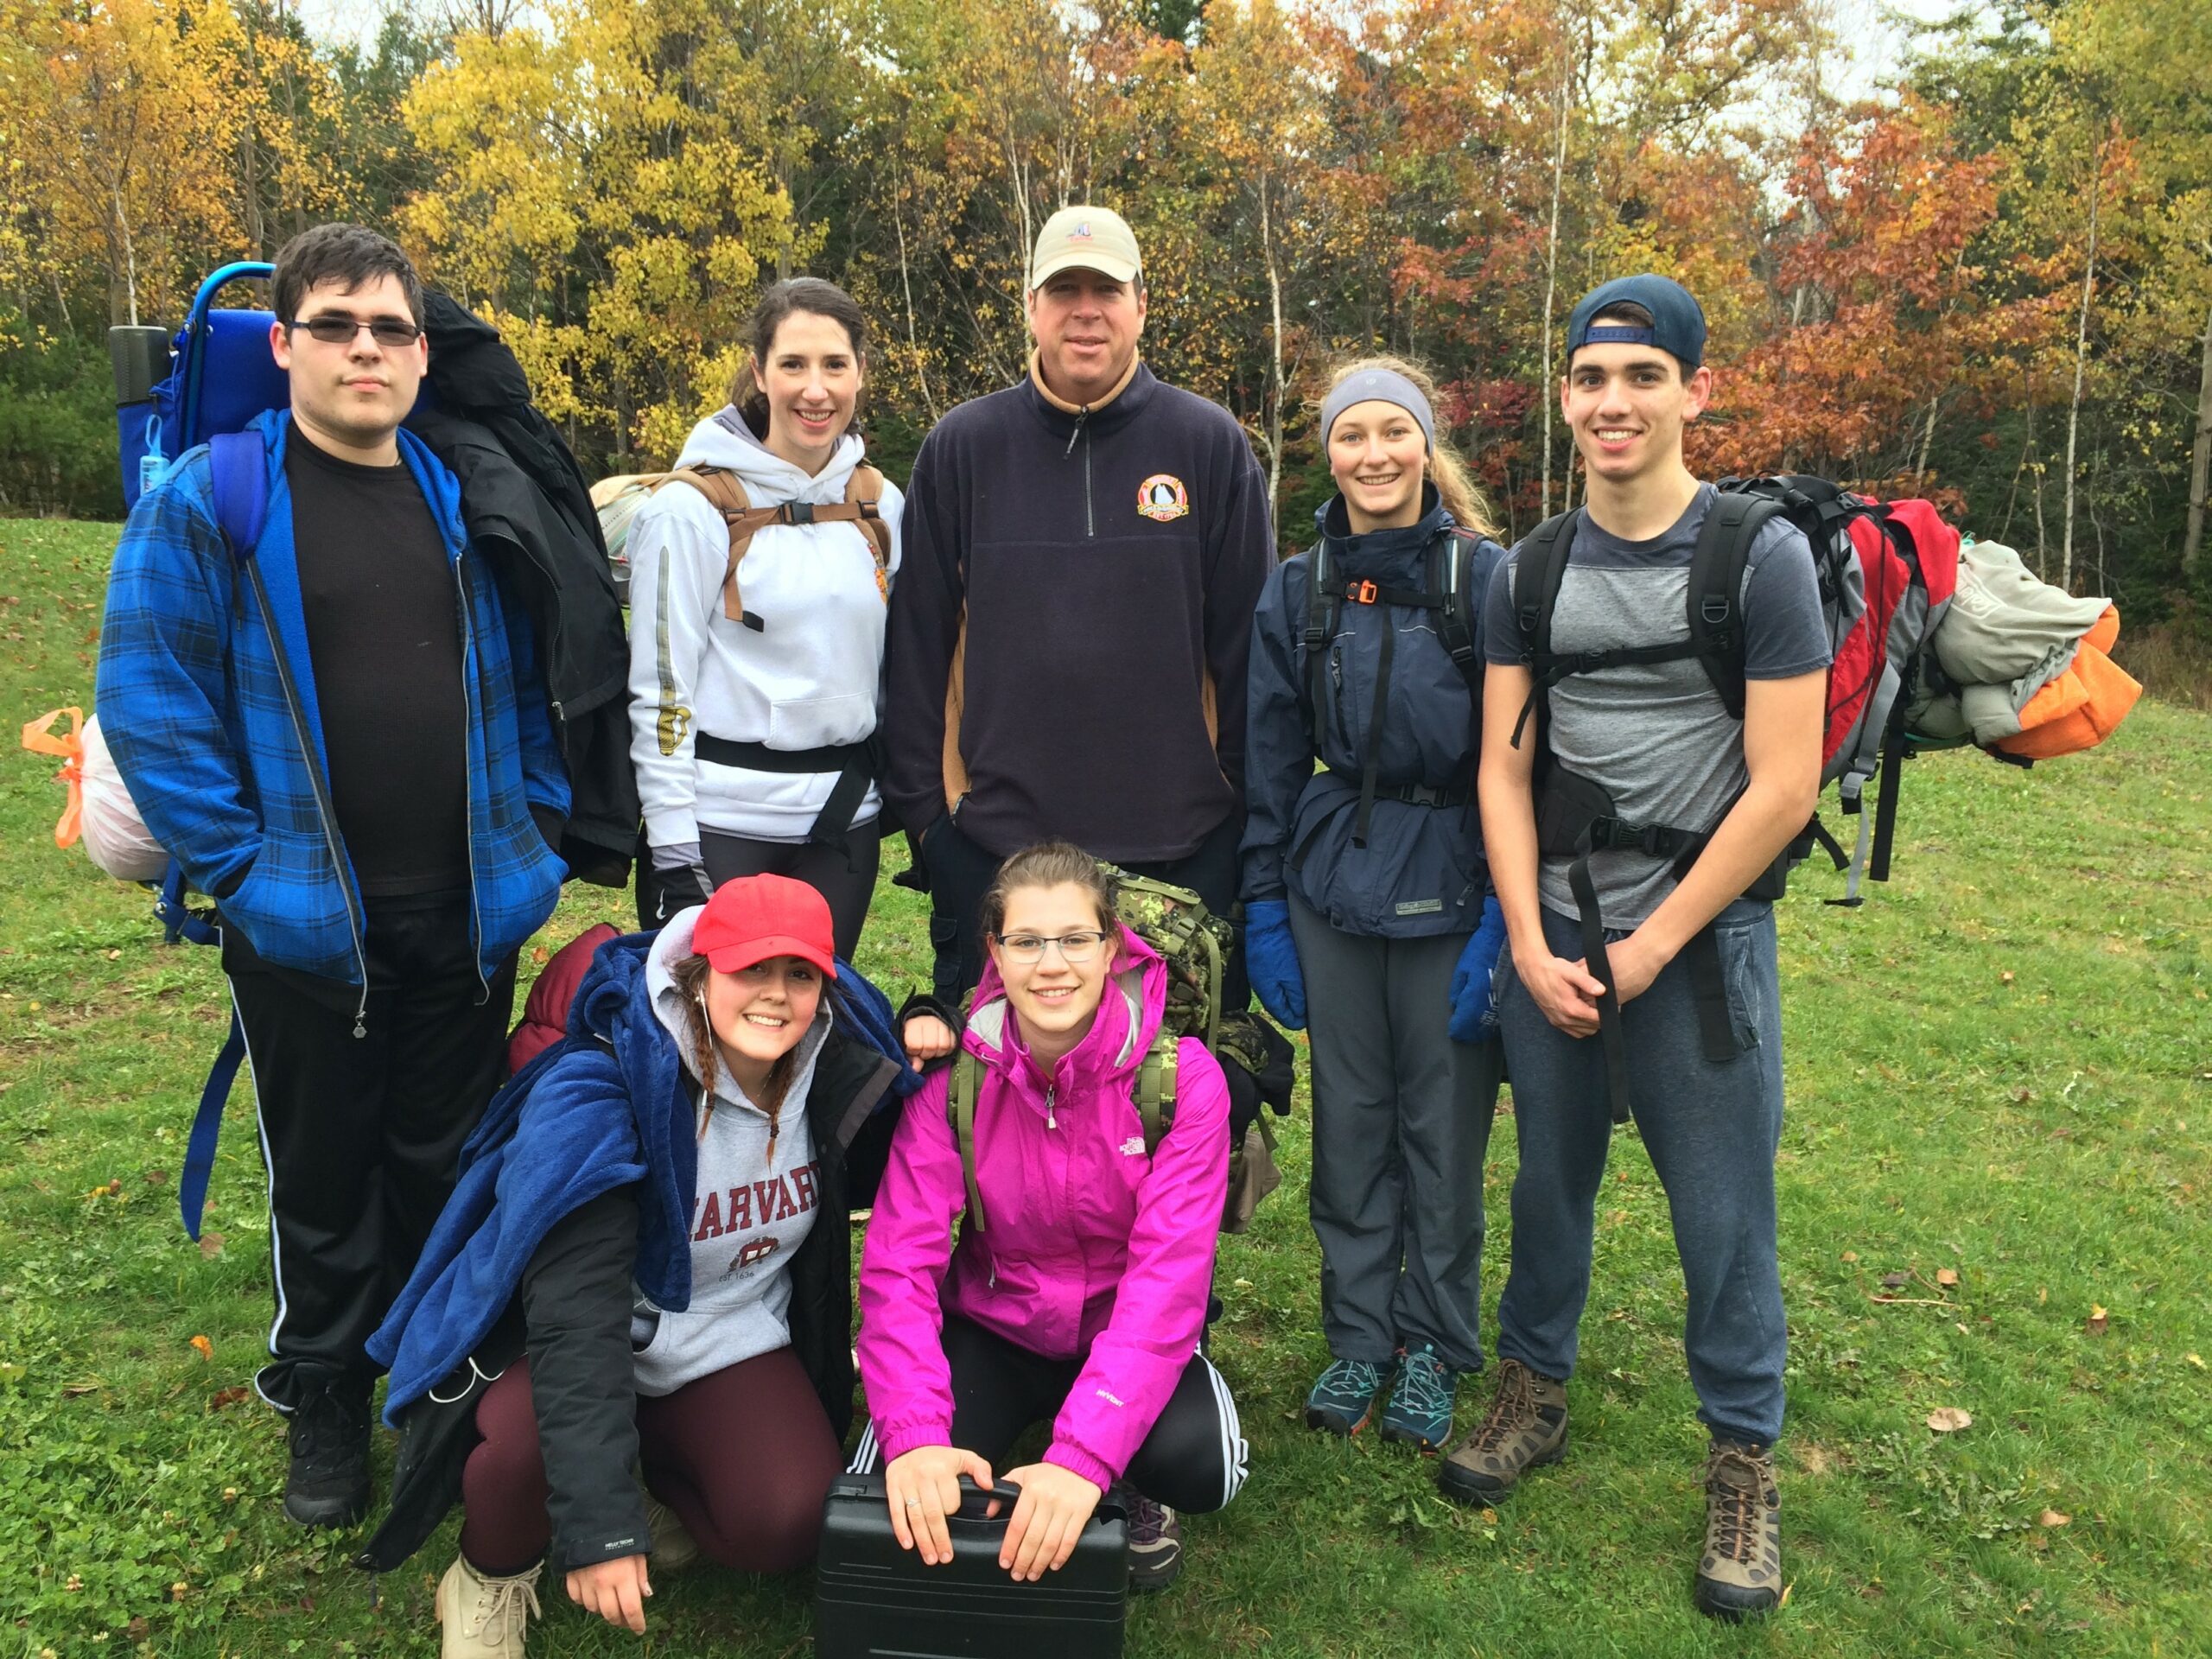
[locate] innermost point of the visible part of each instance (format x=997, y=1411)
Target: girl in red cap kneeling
x=645, y=1268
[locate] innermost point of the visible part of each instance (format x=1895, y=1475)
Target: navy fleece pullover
x=1078, y=593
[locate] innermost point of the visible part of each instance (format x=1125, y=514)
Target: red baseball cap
x=757, y=917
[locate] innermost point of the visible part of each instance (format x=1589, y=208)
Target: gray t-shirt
x=1657, y=735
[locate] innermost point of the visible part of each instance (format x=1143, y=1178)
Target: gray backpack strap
x=960, y=1110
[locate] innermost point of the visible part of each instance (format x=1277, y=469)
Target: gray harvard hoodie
x=748, y=1219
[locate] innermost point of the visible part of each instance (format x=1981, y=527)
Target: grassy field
x=2000, y=1088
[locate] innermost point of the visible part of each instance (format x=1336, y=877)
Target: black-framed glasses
x=1075, y=949
x=338, y=327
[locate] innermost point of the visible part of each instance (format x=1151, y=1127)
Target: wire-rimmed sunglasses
x=1075, y=949
x=339, y=328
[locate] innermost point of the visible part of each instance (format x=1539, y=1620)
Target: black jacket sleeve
x=1240, y=554
x=921, y=632
x=1280, y=758
x=576, y=1300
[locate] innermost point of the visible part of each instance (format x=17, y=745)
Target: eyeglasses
x=1075, y=949
x=339, y=328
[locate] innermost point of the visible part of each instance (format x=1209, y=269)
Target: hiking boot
x=1155, y=1544
x=329, y=1484
x=1526, y=1425
x=1419, y=1412
x=1740, y=1574
x=674, y=1548
x=1342, y=1397
x=485, y=1618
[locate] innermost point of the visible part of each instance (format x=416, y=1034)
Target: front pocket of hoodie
x=820, y=722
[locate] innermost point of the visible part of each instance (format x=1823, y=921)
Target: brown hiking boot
x=1740, y=1572
x=1526, y=1425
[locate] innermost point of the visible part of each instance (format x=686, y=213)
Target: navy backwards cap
x=1677, y=323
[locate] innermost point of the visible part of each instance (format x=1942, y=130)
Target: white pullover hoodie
x=810, y=677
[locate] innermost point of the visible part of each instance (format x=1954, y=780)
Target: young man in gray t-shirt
x=1658, y=739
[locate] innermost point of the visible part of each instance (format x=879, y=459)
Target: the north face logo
x=1134, y=1146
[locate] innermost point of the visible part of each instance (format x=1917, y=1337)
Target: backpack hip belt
x=1436, y=795
x=857, y=765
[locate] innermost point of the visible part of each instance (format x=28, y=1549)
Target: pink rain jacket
x=1091, y=1249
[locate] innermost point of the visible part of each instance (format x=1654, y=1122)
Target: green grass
x=2001, y=1066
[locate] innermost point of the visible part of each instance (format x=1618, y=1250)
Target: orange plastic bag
x=40, y=738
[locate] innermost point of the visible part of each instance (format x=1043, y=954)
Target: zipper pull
x=1051, y=1122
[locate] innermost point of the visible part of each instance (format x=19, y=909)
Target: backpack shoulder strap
x=725, y=493
x=1323, y=604
x=1716, y=589
x=960, y=1111
x=239, y=465
x=864, y=493
x=1536, y=577
x=1155, y=1090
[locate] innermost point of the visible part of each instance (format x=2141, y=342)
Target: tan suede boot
x=1740, y=1572
x=674, y=1548
x=1525, y=1426
x=485, y=1618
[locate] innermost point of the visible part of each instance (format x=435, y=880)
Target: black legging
x=1193, y=1460
x=847, y=881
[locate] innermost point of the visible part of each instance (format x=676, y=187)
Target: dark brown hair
x=350, y=255
x=814, y=296
x=690, y=977
x=1047, y=864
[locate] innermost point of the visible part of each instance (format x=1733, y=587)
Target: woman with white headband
x=1369, y=918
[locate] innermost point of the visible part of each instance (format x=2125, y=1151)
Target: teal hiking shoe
x=1419, y=1412
x=1342, y=1397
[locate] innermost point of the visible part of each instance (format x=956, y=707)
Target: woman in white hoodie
x=753, y=739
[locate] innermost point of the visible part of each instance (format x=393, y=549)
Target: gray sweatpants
x=1401, y=1119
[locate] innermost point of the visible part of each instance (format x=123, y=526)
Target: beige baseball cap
x=1085, y=238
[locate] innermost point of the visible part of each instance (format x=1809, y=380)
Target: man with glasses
x=1068, y=635
x=340, y=733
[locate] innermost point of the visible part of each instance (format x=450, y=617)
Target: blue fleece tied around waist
x=604, y=1108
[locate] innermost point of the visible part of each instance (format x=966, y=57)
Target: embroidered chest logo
x=1134, y=1146
x=1163, y=497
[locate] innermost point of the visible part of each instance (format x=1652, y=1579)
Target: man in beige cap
x=1069, y=631
x=1068, y=634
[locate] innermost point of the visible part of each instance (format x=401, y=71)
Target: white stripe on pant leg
x=1235, y=1453
x=863, y=1461
x=269, y=1164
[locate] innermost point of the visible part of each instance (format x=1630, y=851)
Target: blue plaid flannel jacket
x=191, y=706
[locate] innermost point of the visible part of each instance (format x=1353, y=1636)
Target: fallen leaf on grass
x=223, y=1399
x=2097, y=1320
x=2022, y=1096
x=1895, y=1280
x=78, y=1390
x=1945, y=1420
x=205, y=1348
x=1815, y=1460
x=1851, y=1255
x=2005, y=978
x=538, y=954
x=2196, y=1360
x=2053, y=1518
x=211, y=1245
x=1947, y=1277
x=155, y=1177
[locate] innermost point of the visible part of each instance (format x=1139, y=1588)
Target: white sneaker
x=485, y=1618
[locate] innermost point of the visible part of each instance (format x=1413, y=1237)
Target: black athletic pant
x=361, y=1133
x=846, y=880
x=1193, y=1460
x=961, y=872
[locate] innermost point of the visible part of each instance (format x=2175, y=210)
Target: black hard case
x=873, y=1598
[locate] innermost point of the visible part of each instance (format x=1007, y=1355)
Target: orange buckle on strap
x=1362, y=593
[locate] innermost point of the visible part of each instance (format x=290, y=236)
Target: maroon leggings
x=744, y=1456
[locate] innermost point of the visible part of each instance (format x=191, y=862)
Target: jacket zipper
x=320, y=785
x=467, y=783
x=1051, y=1122
x=1083, y=432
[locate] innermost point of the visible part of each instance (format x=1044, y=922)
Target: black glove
x=1256, y=1060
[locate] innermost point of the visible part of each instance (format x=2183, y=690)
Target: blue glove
x=1271, y=960
x=1474, y=1010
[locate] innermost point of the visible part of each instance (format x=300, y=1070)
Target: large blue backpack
x=221, y=375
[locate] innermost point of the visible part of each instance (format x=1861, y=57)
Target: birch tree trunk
x=2200, y=470
x=913, y=344
x=1274, y=362
x=1548, y=392
x=2081, y=363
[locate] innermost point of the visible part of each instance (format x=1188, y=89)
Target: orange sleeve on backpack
x=2078, y=710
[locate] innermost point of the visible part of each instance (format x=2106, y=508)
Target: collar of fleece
x=1128, y=1018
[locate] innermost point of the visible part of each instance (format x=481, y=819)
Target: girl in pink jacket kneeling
x=1080, y=1293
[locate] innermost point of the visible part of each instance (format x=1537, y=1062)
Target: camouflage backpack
x=1194, y=944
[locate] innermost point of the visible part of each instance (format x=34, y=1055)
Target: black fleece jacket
x=1076, y=590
